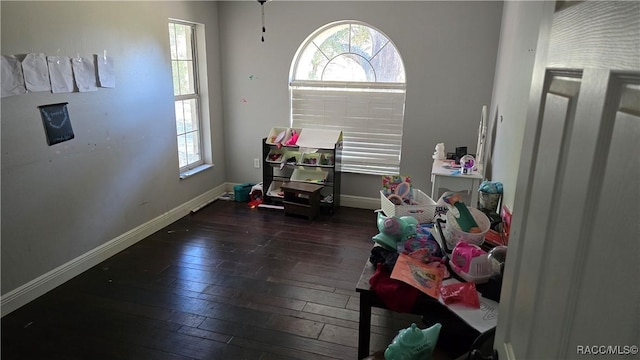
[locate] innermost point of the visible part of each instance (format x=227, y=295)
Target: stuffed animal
x=293, y=139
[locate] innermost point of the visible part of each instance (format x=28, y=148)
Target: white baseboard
x=39, y=286
x=360, y=202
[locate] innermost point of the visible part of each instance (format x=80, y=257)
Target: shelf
x=318, y=168
x=317, y=176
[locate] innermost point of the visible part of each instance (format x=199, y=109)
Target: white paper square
x=36, y=72
x=60, y=73
x=84, y=72
x=12, y=79
x=106, y=77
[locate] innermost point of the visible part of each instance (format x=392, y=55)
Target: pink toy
x=293, y=139
x=463, y=253
x=470, y=263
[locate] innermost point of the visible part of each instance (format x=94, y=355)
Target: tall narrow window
x=185, y=90
x=349, y=76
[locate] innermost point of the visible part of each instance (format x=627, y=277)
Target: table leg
x=474, y=192
x=364, y=328
x=434, y=187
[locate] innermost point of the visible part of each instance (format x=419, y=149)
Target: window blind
x=370, y=116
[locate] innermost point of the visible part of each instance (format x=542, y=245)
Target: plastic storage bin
x=278, y=135
x=310, y=159
x=241, y=192
x=275, y=189
x=453, y=234
x=316, y=176
x=423, y=211
x=275, y=156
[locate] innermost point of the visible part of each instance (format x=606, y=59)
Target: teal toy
x=413, y=343
x=394, y=230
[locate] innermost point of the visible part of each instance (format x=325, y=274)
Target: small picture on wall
x=57, y=125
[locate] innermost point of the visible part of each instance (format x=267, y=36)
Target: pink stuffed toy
x=293, y=139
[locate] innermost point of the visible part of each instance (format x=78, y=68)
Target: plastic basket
x=273, y=135
x=275, y=189
x=275, y=156
x=291, y=156
x=453, y=234
x=423, y=211
x=316, y=176
x=310, y=159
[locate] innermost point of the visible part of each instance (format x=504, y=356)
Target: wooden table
x=425, y=305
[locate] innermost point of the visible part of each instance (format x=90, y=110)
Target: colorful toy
x=471, y=263
x=467, y=163
x=293, y=139
x=255, y=196
x=397, y=189
x=413, y=343
x=394, y=230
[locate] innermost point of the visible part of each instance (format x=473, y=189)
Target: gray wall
x=508, y=112
x=449, y=51
x=120, y=171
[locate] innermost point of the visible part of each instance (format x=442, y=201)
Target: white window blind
x=370, y=116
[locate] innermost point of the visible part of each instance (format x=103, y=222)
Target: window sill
x=191, y=172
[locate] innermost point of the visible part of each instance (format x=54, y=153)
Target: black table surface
x=455, y=336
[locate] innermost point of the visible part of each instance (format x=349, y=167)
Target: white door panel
x=571, y=278
x=609, y=279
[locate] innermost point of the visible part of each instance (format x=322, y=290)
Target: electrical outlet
x=256, y=163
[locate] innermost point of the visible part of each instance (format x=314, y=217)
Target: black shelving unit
x=273, y=170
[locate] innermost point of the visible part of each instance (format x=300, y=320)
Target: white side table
x=443, y=179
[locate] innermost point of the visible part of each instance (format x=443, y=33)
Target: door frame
x=522, y=198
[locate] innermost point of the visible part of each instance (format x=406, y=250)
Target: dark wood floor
x=227, y=282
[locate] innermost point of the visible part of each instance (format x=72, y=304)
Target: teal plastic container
x=241, y=192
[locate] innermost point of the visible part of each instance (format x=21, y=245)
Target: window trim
x=191, y=168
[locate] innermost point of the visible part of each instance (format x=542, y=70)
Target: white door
x=571, y=286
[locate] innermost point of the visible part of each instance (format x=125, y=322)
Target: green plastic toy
x=413, y=343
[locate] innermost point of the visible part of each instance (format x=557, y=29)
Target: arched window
x=349, y=76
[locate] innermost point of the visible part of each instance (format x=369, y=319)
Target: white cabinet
x=445, y=179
